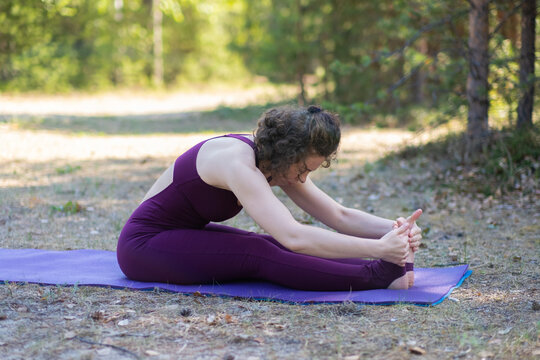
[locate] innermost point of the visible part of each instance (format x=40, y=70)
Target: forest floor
x=103, y=160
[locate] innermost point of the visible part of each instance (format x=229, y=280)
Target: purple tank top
x=188, y=202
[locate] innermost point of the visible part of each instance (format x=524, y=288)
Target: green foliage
x=56, y=46
x=68, y=169
x=374, y=62
x=512, y=154
x=509, y=161
x=70, y=207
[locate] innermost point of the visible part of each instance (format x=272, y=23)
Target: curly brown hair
x=288, y=135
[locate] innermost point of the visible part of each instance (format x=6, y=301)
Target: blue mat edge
x=465, y=276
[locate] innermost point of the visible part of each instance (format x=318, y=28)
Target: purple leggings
x=220, y=253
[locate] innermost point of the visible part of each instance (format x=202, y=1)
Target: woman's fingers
x=412, y=219
x=398, y=245
x=415, y=231
x=403, y=229
x=415, y=240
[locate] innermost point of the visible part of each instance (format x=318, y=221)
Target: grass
x=508, y=162
x=108, y=171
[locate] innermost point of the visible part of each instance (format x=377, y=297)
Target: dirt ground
x=102, y=163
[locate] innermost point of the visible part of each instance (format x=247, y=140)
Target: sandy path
x=139, y=103
x=42, y=145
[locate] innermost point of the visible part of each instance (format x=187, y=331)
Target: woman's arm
x=345, y=220
x=232, y=166
x=253, y=191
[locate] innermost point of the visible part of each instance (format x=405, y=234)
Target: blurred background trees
x=387, y=60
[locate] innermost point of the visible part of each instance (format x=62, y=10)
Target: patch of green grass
x=508, y=161
x=67, y=169
x=70, y=207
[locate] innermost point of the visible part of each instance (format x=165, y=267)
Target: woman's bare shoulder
x=219, y=156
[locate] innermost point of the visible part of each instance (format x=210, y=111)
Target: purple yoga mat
x=99, y=268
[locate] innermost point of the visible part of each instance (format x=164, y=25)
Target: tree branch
x=422, y=30
x=121, y=349
x=398, y=83
x=406, y=77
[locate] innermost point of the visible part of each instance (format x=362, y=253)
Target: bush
x=509, y=161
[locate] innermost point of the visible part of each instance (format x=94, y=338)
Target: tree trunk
x=477, y=80
x=301, y=57
x=420, y=77
x=157, y=17
x=526, y=64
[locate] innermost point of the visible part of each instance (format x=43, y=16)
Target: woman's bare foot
x=401, y=283
x=407, y=280
x=410, y=273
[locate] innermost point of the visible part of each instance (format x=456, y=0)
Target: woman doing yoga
x=171, y=237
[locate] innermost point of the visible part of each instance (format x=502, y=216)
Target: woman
x=169, y=237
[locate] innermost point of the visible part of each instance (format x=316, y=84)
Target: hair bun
x=313, y=109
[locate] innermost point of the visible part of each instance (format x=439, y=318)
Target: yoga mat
x=99, y=268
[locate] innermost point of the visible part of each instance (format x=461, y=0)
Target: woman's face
x=299, y=172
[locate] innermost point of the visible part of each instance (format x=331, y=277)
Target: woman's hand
x=415, y=233
x=395, y=245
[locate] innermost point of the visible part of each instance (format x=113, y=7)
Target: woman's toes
x=410, y=278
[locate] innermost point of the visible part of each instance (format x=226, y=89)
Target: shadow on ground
x=221, y=119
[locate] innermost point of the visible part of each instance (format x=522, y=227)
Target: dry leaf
x=228, y=319
x=185, y=312
x=241, y=338
x=417, y=350
x=98, y=315
x=33, y=201
x=485, y=354
x=104, y=351
x=70, y=335
x=211, y=320
x=108, y=341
